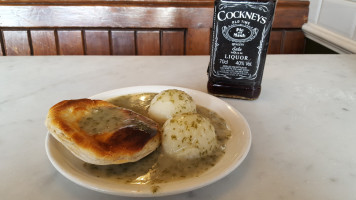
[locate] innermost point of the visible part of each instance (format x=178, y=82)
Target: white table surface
x=303, y=125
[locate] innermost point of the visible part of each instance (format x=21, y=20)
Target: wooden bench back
x=124, y=27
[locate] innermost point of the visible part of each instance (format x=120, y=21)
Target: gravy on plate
x=157, y=167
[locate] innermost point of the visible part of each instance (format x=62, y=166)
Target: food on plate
x=188, y=136
x=171, y=102
x=101, y=133
x=159, y=167
x=104, y=135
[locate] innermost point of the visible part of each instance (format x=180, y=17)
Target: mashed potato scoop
x=188, y=136
x=168, y=103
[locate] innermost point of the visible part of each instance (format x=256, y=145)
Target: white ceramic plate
x=236, y=150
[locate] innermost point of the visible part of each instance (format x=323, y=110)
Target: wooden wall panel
x=275, y=42
x=294, y=42
x=172, y=43
x=71, y=14
x=291, y=14
x=105, y=16
x=70, y=42
x=43, y=42
x=148, y=42
x=123, y=42
x=198, y=41
x=1, y=54
x=97, y=42
x=123, y=19
x=16, y=43
x=144, y=2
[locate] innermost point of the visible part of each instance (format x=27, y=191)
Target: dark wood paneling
x=123, y=42
x=130, y=16
x=294, y=42
x=198, y=41
x=16, y=43
x=119, y=2
x=97, y=42
x=172, y=43
x=105, y=16
x=1, y=54
x=275, y=42
x=148, y=42
x=70, y=42
x=291, y=14
x=43, y=42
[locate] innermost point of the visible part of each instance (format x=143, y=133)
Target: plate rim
x=132, y=193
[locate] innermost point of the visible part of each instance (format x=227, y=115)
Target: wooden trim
x=123, y=42
x=198, y=41
x=185, y=3
x=137, y=2
x=123, y=17
x=110, y=19
x=2, y=46
x=206, y=3
x=43, y=42
x=294, y=42
x=17, y=42
x=60, y=15
x=71, y=42
x=291, y=14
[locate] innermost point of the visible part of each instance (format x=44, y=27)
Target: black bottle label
x=240, y=41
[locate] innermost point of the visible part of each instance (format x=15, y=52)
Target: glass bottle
x=240, y=36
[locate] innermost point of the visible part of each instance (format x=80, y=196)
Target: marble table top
x=303, y=124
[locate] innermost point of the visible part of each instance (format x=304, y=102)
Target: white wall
x=333, y=21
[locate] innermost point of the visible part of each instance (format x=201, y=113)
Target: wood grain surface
x=123, y=42
x=97, y=42
x=16, y=43
x=293, y=42
x=198, y=41
x=129, y=27
x=275, y=42
x=148, y=42
x=172, y=42
x=1, y=48
x=43, y=42
x=70, y=42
